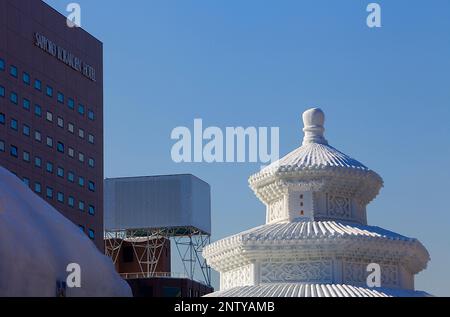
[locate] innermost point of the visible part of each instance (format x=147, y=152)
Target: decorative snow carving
x=296, y=272
x=237, y=277
x=276, y=210
x=389, y=276
x=338, y=206
x=307, y=257
x=356, y=273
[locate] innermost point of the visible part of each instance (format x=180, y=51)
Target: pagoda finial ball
x=313, y=121
x=313, y=117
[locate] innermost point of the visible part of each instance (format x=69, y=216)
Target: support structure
x=190, y=249
x=148, y=245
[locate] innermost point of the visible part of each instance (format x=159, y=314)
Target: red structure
x=134, y=255
x=51, y=110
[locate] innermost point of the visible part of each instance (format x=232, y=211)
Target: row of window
x=91, y=233
x=26, y=78
x=26, y=104
x=70, y=202
x=26, y=130
x=60, y=197
x=60, y=147
x=49, y=166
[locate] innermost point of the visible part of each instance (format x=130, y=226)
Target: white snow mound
x=37, y=243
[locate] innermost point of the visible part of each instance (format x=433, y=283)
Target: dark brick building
x=51, y=110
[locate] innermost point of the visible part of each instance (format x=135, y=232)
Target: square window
x=50, y=167
x=49, y=192
x=71, y=177
x=14, y=98
x=81, y=181
x=91, y=234
x=37, y=187
x=60, y=147
x=81, y=133
x=2, y=91
x=13, y=71
x=60, y=197
x=81, y=205
x=26, y=78
x=81, y=157
x=91, y=139
x=26, y=181
x=2, y=146
x=70, y=127
x=49, y=141
x=14, y=124
x=60, y=97
x=26, y=104
x=37, y=161
x=60, y=122
x=71, y=103
x=60, y=172
x=49, y=116
x=81, y=109
x=91, y=186
x=37, y=84
x=2, y=118
x=2, y=64
x=71, y=201
x=71, y=152
x=81, y=228
x=91, y=115
x=37, y=110
x=91, y=210
x=26, y=156
x=49, y=91
x=26, y=130
x=14, y=151
x=91, y=162
x=37, y=136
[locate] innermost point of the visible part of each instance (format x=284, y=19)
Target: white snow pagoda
x=316, y=241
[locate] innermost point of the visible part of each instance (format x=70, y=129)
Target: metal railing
x=130, y=276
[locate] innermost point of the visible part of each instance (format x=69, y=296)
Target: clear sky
x=385, y=92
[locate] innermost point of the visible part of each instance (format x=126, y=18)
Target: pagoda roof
x=313, y=290
x=309, y=239
x=315, y=158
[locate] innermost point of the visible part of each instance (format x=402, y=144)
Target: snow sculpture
x=316, y=241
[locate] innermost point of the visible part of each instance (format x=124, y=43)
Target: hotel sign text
x=65, y=56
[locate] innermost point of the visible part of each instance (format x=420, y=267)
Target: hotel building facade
x=51, y=110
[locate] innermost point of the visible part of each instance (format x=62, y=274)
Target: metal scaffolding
x=148, y=245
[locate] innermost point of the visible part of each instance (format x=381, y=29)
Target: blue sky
x=262, y=63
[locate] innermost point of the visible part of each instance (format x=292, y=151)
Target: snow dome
x=37, y=244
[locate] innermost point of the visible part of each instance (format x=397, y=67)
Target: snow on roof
x=314, y=154
x=313, y=290
x=321, y=236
